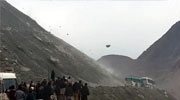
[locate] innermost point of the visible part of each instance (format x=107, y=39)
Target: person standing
x=48, y=91
x=11, y=93
x=57, y=88
x=69, y=92
x=40, y=91
x=52, y=75
x=30, y=95
x=84, y=92
x=75, y=90
x=20, y=95
x=62, y=88
x=79, y=86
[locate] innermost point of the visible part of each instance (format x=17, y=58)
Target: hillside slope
x=128, y=93
x=119, y=65
x=34, y=52
x=161, y=61
x=164, y=53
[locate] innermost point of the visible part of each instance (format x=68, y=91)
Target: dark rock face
x=33, y=52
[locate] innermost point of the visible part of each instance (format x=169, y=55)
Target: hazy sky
x=130, y=26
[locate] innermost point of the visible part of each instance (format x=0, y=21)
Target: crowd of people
x=59, y=89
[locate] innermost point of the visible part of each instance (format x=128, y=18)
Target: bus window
x=9, y=82
x=151, y=81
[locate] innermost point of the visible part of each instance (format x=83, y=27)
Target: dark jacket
x=75, y=87
x=11, y=95
x=30, y=96
x=85, y=91
x=20, y=95
x=69, y=91
x=40, y=92
x=48, y=91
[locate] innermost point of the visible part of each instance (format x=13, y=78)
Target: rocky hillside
x=120, y=65
x=33, y=52
x=164, y=53
x=161, y=61
x=128, y=93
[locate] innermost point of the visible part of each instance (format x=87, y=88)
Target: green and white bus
x=140, y=82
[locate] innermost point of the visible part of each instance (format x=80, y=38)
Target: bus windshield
x=9, y=82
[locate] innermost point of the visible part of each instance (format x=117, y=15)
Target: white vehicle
x=7, y=79
x=148, y=82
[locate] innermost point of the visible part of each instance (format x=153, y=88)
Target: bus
x=7, y=79
x=140, y=82
x=133, y=81
x=148, y=82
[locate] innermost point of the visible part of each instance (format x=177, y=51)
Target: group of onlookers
x=59, y=89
